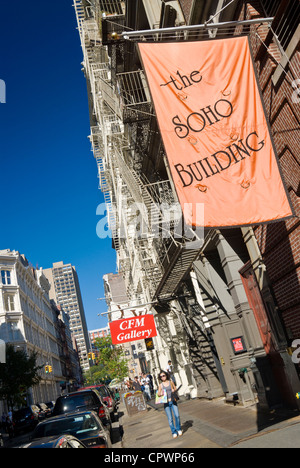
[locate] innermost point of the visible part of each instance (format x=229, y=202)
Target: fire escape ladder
x=80, y=14
x=98, y=149
x=135, y=96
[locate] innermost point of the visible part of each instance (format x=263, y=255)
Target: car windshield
x=102, y=391
x=80, y=426
x=74, y=402
x=22, y=413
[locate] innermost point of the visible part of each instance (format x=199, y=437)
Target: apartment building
x=65, y=291
x=68, y=351
x=226, y=301
x=98, y=333
x=29, y=321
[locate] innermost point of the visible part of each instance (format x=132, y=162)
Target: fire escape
x=153, y=262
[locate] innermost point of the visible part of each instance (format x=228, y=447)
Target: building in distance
x=65, y=291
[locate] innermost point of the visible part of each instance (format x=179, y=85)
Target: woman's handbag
x=161, y=399
x=174, y=394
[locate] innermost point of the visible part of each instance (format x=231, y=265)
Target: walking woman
x=171, y=407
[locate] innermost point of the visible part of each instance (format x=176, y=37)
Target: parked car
x=44, y=410
x=84, y=400
x=63, y=441
x=25, y=419
x=50, y=405
x=84, y=425
x=107, y=397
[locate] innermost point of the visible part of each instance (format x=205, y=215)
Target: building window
x=9, y=303
x=13, y=331
x=5, y=277
x=286, y=20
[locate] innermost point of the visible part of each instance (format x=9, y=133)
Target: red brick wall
x=280, y=242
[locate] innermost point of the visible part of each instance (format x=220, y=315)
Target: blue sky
x=48, y=175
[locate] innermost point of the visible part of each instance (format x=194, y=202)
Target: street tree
x=17, y=375
x=110, y=363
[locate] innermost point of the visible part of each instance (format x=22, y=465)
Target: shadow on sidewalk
x=268, y=418
x=186, y=426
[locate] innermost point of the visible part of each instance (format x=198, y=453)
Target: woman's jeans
x=147, y=392
x=171, y=407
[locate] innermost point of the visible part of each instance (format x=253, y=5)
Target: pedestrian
x=3, y=422
x=171, y=408
x=129, y=384
x=117, y=394
x=146, y=383
x=151, y=383
x=169, y=369
x=10, y=427
x=136, y=385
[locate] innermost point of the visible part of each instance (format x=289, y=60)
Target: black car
x=63, y=441
x=89, y=400
x=25, y=419
x=84, y=425
x=107, y=397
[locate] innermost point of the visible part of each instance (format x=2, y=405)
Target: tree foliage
x=110, y=363
x=18, y=374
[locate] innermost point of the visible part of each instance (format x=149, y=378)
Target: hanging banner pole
x=194, y=27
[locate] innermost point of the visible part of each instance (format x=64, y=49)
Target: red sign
x=132, y=329
x=238, y=345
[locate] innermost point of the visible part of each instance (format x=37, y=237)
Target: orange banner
x=215, y=132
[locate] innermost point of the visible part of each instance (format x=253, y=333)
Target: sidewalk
x=210, y=424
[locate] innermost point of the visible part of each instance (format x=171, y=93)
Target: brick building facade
x=228, y=312
x=280, y=242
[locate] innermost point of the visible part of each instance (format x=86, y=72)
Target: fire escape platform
x=177, y=268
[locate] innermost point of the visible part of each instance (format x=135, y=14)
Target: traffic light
x=47, y=369
x=91, y=356
x=50, y=368
x=149, y=344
